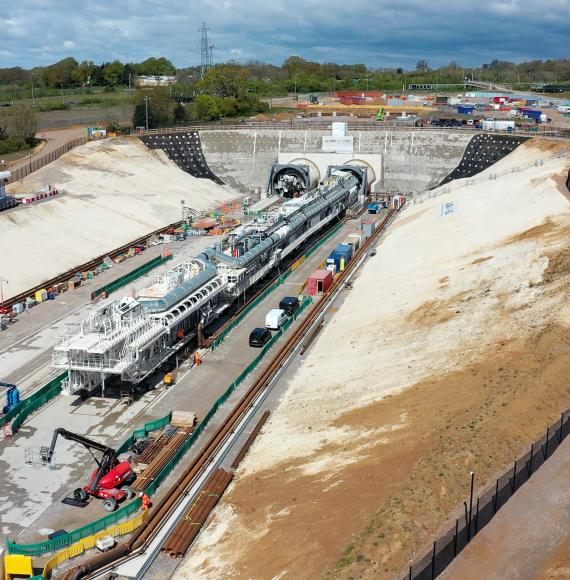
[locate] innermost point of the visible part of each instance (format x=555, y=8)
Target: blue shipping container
x=345, y=249
x=340, y=260
x=531, y=113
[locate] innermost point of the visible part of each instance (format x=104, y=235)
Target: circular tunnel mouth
x=353, y=172
x=289, y=182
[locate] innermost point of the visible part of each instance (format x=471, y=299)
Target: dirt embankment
x=477, y=419
x=449, y=359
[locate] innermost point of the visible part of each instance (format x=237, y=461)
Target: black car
x=259, y=337
x=289, y=304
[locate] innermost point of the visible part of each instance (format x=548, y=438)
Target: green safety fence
x=27, y=406
x=128, y=278
x=310, y=251
x=62, y=542
x=271, y=288
x=66, y=540
x=144, y=431
x=248, y=309
x=165, y=472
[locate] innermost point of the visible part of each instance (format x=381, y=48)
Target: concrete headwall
x=413, y=160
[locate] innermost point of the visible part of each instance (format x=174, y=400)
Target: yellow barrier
x=89, y=542
x=298, y=263
x=17, y=565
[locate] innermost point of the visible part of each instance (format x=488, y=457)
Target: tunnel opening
x=290, y=180
x=358, y=171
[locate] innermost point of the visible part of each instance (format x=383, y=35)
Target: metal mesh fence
x=480, y=511
x=38, y=162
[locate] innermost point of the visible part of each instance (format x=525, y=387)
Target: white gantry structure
x=130, y=337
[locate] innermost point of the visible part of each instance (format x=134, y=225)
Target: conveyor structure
x=131, y=336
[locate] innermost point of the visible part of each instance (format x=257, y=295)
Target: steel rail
x=146, y=542
x=69, y=274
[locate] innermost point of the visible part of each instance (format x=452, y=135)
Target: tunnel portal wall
x=412, y=160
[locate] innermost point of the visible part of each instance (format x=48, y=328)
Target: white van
x=275, y=319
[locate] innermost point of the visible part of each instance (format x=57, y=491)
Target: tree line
x=225, y=91
x=294, y=74
x=71, y=73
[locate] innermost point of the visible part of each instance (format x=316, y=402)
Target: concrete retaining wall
x=413, y=160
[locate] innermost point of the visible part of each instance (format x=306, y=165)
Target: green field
x=53, y=99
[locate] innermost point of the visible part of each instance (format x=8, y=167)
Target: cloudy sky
x=378, y=33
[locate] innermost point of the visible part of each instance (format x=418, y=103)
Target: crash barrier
x=89, y=542
x=38, y=162
x=220, y=338
x=29, y=405
x=38, y=196
x=67, y=540
x=128, y=278
x=144, y=431
x=479, y=512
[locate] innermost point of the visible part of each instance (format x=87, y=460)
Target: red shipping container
x=319, y=282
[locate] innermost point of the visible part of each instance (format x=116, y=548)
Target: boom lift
x=12, y=396
x=109, y=482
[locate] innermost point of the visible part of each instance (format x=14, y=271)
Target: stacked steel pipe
x=189, y=527
x=167, y=447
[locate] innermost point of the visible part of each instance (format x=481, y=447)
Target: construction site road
x=52, y=140
x=529, y=538
x=26, y=346
x=105, y=420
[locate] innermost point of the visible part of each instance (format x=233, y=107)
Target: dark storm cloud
x=380, y=34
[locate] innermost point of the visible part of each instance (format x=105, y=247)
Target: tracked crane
x=109, y=482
